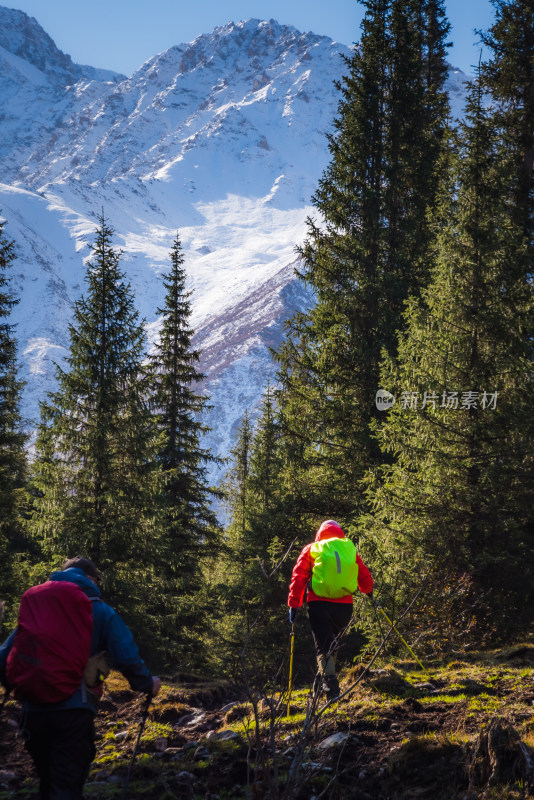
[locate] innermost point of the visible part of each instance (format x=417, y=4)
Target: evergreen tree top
x=7, y=256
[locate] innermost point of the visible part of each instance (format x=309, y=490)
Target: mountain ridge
x=22, y=36
x=222, y=139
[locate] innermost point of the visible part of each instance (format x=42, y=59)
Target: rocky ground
x=466, y=732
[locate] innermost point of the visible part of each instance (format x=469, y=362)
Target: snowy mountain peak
x=256, y=36
x=254, y=41
x=239, y=88
x=22, y=36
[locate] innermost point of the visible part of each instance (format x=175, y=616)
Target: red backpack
x=52, y=644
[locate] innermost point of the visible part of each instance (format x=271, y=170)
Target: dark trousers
x=62, y=746
x=328, y=621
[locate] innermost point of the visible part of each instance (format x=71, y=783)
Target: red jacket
x=302, y=571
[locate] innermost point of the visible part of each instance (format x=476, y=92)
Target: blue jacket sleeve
x=115, y=637
x=4, y=652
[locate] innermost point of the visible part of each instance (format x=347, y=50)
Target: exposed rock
x=102, y=775
x=424, y=687
x=190, y=746
x=223, y=736
x=185, y=776
x=201, y=753
x=333, y=741
x=229, y=706
x=160, y=744
x=185, y=720
x=197, y=721
x=174, y=752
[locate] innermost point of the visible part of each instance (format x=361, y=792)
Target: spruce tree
x=416, y=114
x=509, y=76
x=253, y=587
x=188, y=524
x=96, y=449
x=328, y=361
x=13, y=467
x=264, y=477
x=455, y=508
x=236, y=483
x=273, y=524
x=230, y=618
x=258, y=524
x=371, y=252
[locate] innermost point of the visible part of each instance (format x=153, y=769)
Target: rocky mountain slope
x=222, y=139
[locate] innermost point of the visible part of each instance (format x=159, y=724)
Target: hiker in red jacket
x=331, y=570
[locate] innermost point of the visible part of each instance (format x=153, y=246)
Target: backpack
x=335, y=571
x=52, y=642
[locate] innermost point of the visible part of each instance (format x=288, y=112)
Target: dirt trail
x=468, y=734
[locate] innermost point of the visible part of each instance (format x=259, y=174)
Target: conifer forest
x=402, y=407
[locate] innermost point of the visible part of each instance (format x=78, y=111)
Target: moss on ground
x=404, y=738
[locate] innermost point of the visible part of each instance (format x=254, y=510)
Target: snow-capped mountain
x=222, y=139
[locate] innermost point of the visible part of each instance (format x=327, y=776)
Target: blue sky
x=122, y=34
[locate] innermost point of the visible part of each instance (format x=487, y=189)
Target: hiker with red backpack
x=331, y=570
x=65, y=642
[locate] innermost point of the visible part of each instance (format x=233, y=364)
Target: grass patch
x=449, y=699
x=109, y=754
x=484, y=702
x=156, y=730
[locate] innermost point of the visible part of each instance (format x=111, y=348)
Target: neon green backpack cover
x=335, y=571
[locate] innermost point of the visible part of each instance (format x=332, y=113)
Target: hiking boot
x=331, y=687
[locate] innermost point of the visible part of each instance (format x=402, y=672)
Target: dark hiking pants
x=328, y=622
x=61, y=744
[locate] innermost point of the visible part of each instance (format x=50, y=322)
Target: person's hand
x=293, y=615
x=156, y=685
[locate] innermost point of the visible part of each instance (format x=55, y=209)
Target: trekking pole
x=405, y=643
x=134, y=754
x=291, y=667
